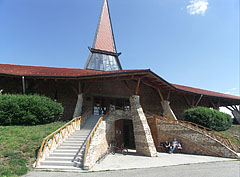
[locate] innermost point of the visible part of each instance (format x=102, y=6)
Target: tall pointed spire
x=103, y=54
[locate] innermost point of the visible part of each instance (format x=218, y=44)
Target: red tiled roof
x=205, y=92
x=104, y=39
x=43, y=71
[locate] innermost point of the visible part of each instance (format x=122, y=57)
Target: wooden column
x=138, y=85
x=160, y=94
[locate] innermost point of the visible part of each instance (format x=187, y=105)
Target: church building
x=128, y=100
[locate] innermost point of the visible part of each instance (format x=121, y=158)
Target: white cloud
x=197, y=7
x=232, y=91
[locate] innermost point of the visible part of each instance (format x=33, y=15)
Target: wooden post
x=138, y=84
x=160, y=94
x=23, y=85
x=168, y=96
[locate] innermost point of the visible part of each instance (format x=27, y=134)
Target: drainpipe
x=23, y=85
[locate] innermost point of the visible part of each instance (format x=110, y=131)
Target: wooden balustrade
x=91, y=136
x=54, y=137
x=90, y=139
x=224, y=139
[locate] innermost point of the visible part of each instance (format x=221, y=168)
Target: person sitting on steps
x=175, y=144
x=167, y=146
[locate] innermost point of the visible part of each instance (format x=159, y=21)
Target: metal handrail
x=224, y=139
x=74, y=124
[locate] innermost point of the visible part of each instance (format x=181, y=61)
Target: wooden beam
x=88, y=89
x=235, y=107
x=187, y=100
x=214, y=106
x=193, y=101
x=150, y=85
x=160, y=94
x=128, y=88
x=229, y=108
x=168, y=96
x=199, y=100
x=138, y=85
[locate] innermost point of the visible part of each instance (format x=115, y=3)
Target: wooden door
x=119, y=132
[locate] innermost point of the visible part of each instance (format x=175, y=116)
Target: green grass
x=234, y=131
x=19, y=145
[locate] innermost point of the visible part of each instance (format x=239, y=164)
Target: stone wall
x=193, y=142
x=102, y=138
x=142, y=133
x=105, y=134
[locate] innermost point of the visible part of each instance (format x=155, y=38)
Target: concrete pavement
x=133, y=161
x=212, y=169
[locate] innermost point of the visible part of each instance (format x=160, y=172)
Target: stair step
x=65, y=151
x=72, y=141
x=68, y=147
x=70, y=158
x=57, y=163
x=61, y=158
x=55, y=154
x=77, y=138
x=51, y=167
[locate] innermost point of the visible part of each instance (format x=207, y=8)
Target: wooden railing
x=54, y=138
x=91, y=136
x=90, y=139
x=224, y=139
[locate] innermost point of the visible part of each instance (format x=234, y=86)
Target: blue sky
x=188, y=42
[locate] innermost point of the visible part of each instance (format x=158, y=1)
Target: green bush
x=16, y=109
x=209, y=118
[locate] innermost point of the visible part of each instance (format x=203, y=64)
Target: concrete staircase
x=72, y=148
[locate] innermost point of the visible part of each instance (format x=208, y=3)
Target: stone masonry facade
x=193, y=142
x=105, y=133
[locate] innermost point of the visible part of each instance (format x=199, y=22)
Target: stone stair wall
x=193, y=142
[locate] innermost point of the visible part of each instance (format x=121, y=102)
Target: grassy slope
x=18, y=145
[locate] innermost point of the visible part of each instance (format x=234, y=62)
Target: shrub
x=209, y=118
x=16, y=109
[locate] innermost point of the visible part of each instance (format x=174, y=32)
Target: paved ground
x=213, y=169
x=174, y=164
x=132, y=161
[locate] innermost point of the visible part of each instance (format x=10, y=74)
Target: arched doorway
x=124, y=133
